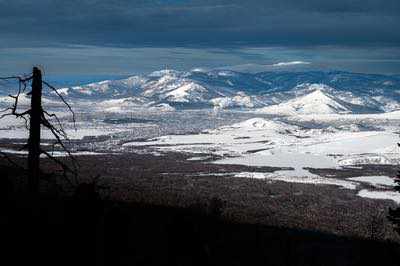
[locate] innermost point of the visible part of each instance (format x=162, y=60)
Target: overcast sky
x=121, y=37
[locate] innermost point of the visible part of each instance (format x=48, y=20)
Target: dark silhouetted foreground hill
x=83, y=229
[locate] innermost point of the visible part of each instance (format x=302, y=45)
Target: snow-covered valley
x=271, y=142
x=306, y=129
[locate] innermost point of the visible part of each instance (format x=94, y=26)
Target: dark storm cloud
x=130, y=36
x=208, y=23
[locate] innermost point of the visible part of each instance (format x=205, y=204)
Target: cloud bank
x=199, y=22
x=121, y=36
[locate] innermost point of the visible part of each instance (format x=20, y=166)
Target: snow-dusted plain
x=271, y=142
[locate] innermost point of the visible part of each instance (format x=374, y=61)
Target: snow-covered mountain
x=170, y=87
x=287, y=92
x=316, y=101
x=189, y=92
x=374, y=101
x=241, y=99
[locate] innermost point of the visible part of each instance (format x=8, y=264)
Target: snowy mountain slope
x=358, y=103
x=230, y=89
x=190, y=92
x=241, y=99
x=317, y=101
x=160, y=87
x=107, y=88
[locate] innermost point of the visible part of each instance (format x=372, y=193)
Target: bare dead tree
x=34, y=131
x=37, y=118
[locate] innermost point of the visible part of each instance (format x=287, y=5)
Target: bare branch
x=19, y=78
x=57, y=119
x=14, y=107
x=22, y=80
x=63, y=100
x=57, y=131
x=53, y=129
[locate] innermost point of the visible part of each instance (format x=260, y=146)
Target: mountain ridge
x=232, y=89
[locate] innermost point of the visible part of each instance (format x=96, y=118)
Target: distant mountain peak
x=326, y=92
x=317, y=101
x=318, y=95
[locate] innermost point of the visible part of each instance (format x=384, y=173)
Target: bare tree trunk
x=34, y=131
